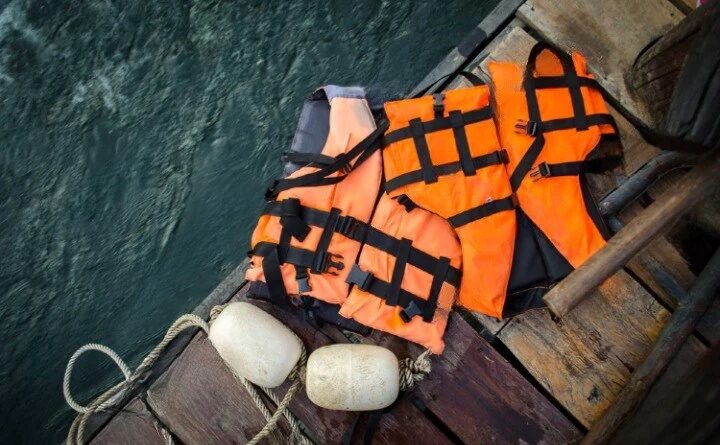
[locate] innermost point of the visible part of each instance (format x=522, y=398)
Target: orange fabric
x=429, y=233
x=350, y=122
x=554, y=204
x=487, y=243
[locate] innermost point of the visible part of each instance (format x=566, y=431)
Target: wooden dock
x=531, y=379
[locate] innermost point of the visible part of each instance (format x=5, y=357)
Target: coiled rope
x=114, y=395
x=414, y=371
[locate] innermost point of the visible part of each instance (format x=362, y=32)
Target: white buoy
x=254, y=344
x=351, y=377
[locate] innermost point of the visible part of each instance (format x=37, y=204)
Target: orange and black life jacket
x=442, y=153
x=551, y=117
x=328, y=232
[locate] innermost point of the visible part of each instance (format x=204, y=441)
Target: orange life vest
x=328, y=227
x=550, y=117
x=442, y=153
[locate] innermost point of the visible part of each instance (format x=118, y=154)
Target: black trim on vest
x=470, y=117
x=423, y=152
x=307, y=159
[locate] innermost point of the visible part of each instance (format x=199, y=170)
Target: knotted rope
x=414, y=371
x=114, y=395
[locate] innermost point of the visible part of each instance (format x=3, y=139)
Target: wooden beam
x=633, y=237
x=680, y=326
x=474, y=41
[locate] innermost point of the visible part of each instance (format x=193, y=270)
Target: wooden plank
x=585, y=359
x=201, y=401
x=478, y=395
x=476, y=39
x=329, y=426
x=134, y=424
x=678, y=329
x=609, y=34
x=684, y=411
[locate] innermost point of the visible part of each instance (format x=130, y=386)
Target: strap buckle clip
x=410, y=311
x=542, y=170
x=271, y=192
x=360, y=278
x=527, y=127
x=350, y=227
x=324, y=261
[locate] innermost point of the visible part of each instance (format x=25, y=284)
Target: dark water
x=135, y=140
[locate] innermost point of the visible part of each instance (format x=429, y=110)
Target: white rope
x=112, y=396
x=414, y=371
x=71, y=364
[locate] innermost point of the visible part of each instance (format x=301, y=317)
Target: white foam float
x=254, y=344
x=351, y=377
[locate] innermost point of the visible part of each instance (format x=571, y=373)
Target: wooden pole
x=650, y=223
x=680, y=326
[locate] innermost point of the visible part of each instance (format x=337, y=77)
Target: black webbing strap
x=321, y=251
x=470, y=117
x=441, y=271
x=597, y=165
x=494, y=158
x=410, y=303
x=423, y=152
x=535, y=126
x=401, y=259
x=463, y=148
x=273, y=276
x=342, y=163
x=311, y=159
x=482, y=211
x=355, y=230
x=290, y=219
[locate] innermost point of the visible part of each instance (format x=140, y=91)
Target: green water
x=135, y=141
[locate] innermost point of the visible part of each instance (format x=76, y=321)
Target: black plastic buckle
x=527, y=127
x=271, y=193
x=324, y=260
x=303, y=285
x=363, y=280
x=405, y=201
x=541, y=171
x=438, y=106
x=351, y=228
x=411, y=310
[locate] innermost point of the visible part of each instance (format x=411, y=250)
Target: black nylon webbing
x=361, y=232
x=428, y=310
x=482, y=211
x=273, y=276
x=325, y=238
x=423, y=152
x=461, y=142
x=494, y=158
x=401, y=259
x=597, y=165
x=434, y=125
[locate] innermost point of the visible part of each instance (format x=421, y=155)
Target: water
x=135, y=142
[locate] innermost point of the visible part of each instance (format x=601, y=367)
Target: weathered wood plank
x=683, y=411
x=609, y=34
x=133, y=425
x=329, y=426
x=478, y=395
x=477, y=38
x=585, y=359
x=680, y=326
